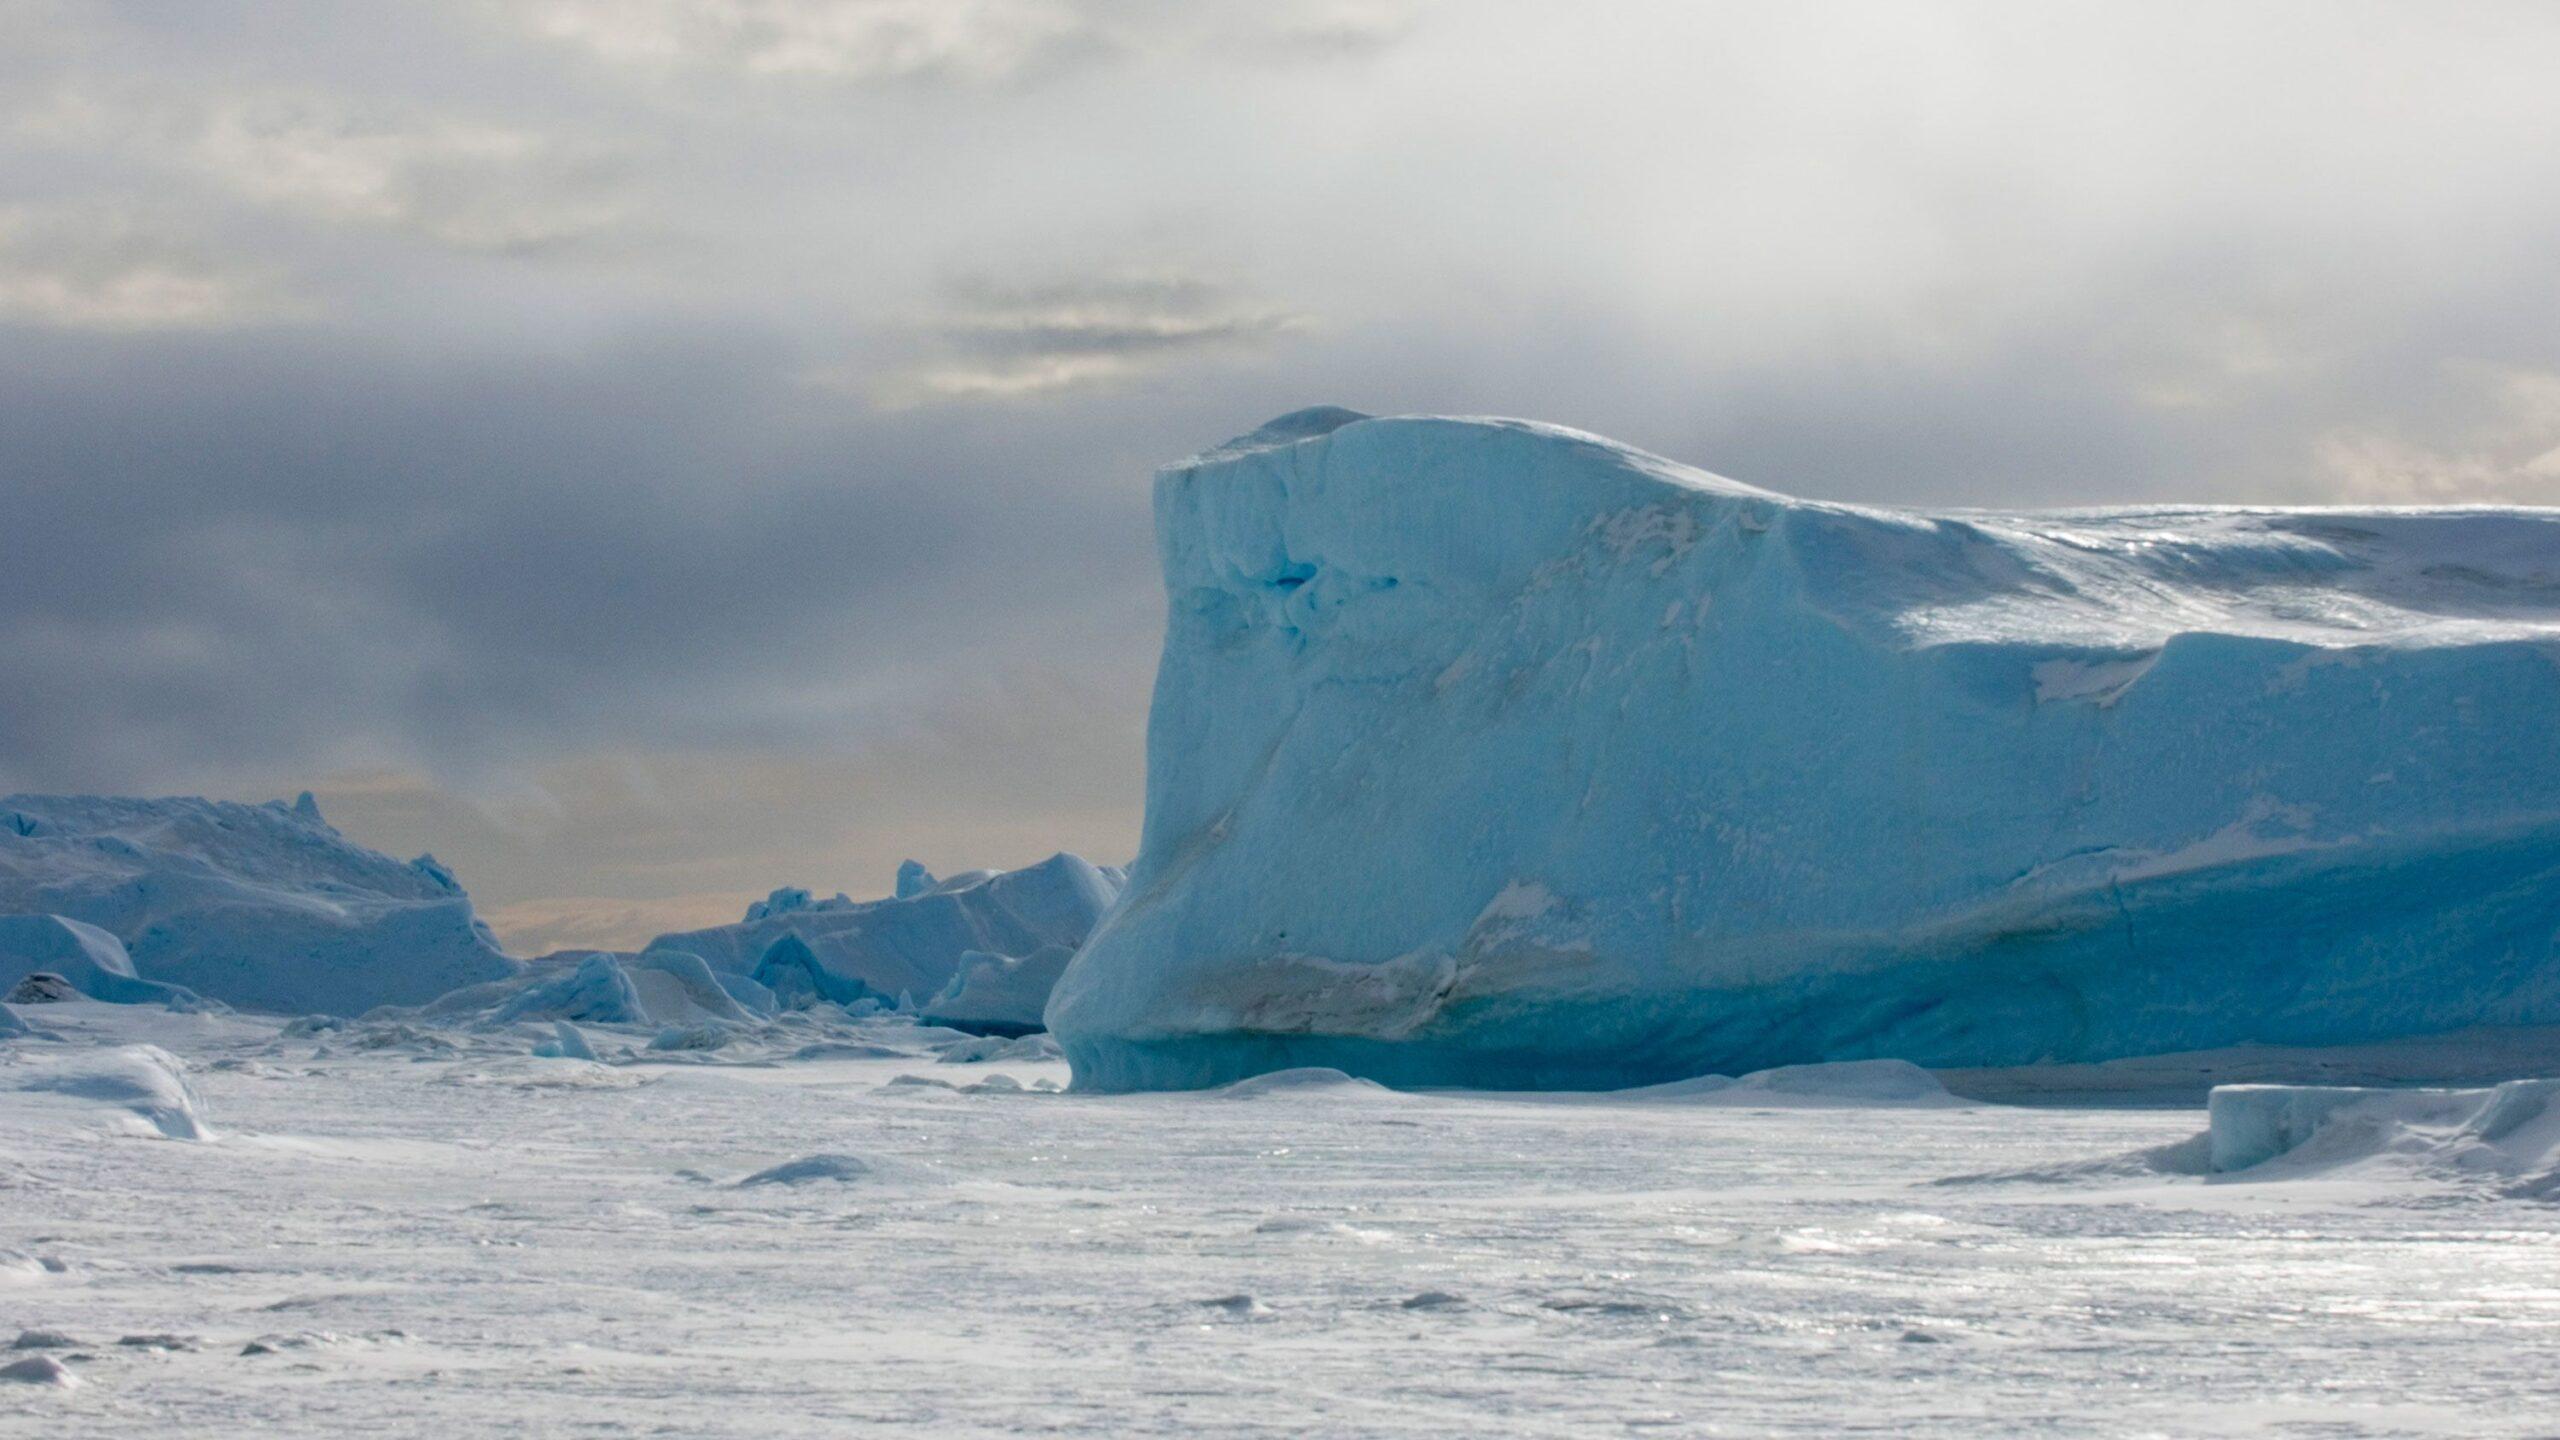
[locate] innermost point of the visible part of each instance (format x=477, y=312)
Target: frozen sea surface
x=418, y=1233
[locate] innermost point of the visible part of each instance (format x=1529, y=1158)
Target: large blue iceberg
x=1490, y=753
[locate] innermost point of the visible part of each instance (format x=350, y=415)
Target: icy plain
x=400, y=1230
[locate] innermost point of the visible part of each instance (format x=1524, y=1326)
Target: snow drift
x=2507, y=1137
x=266, y=907
x=91, y=960
x=1488, y=753
x=911, y=944
x=135, y=1089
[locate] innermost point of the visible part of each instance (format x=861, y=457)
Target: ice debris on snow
x=844, y=951
x=40, y=1370
x=693, y=1037
x=567, y=1042
x=811, y=1169
x=2506, y=1136
x=1487, y=753
x=265, y=907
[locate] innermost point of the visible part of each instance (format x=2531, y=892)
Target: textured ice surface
x=1489, y=753
x=262, y=906
x=911, y=943
x=442, y=1243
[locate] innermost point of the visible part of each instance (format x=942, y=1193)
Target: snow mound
x=1846, y=1084
x=90, y=960
x=844, y=951
x=1310, y=1080
x=693, y=1038
x=142, y=1089
x=43, y=987
x=1489, y=754
x=810, y=1169
x=39, y=1370
x=261, y=906
x=2506, y=1137
x=999, y=995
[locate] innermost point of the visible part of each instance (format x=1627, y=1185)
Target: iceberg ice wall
x=1490, y=753
x=263, y=906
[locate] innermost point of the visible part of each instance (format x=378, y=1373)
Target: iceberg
x=266, y=907
x=912, y=943
x=1488, y=753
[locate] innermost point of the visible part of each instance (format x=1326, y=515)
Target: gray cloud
x=842, y=41
x=999, y=342
x=478, y=410
x=458, y=181
x=108, y=268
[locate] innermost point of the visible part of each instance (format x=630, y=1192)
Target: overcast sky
x=651, y=451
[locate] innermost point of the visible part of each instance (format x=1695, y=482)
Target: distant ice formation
x=912, y=944
x=1488, y=753
x=661, y=988
x=999, y=995
x=266, y=907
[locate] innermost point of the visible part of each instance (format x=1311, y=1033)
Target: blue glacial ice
x=266, y=907
x=1490, y=753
